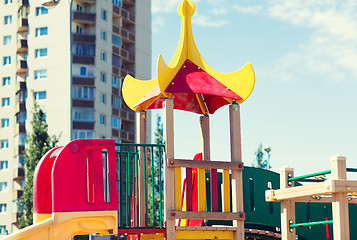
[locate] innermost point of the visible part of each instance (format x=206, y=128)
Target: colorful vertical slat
x=226, y=191
x=214, y=191
x=189, y=189
x=178, y=189
x=201, y=190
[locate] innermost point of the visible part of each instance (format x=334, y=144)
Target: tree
x=157, y=158
x=258, y=162
x=37, y=144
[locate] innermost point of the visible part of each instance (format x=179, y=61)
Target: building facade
x=71, y=60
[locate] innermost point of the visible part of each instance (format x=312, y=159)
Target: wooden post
x=236, y=156
x=340, y=216
x=287, y=207
x=205, y=149
x=169, y=173
x=141, y=130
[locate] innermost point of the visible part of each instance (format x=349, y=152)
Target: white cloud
x=331, y=50
x=255, y=10
x=164, y=6
x=206, y=21
x=218, y=11
x=157, y=24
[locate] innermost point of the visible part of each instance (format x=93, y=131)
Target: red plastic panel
x=42, y=197
x=77, y=177
x=214, y=191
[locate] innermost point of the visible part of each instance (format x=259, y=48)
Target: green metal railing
x=308, y=224
x=127, y=157
x=304, y=178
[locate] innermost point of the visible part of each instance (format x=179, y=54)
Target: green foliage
x=37, y=144
x=155, y=163
x=258, y=162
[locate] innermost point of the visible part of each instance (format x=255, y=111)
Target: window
x=4, y=165
x=5, y=102
x=19, y=161
x=19, y=139
x=7, y=20
x=83, y=71
x=42, y=73
x=103, y=77
x=8, y=1
x=20, y=117
x=7, y=40
x=116, y=61
x=3, y=229
x=84, y=49
x=3, y=186
x=102, y=119
x=116, y=82
x=103, y=15
x=42, y=31
x=115, y=123
x=41, y=52
x=103, y=35
x=2, y=207
x=40, y=95
x=103, y=98
x=5, y=122
x=116, y=102
x=117, y=3
x=116, y=40
x=79, y=29
x=41, y=11
x=7, y=60
x=103, y=56
x=79, y=134
x=6, y=81
x=83, y=114
x=79, y=8
x=83, y=92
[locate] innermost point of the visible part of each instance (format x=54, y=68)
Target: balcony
x=19, y=128
x=18, y=150
x=83, y=103
x=83, y=38
x=122, y=72
x=22, y=3
x=81, y=59
x=83, y=17
x=83, y=125
x=87, y=1
x=126, y=56
x=125, y=136
x=15, y=217
x=127, y=115
x=86, y=81
x=127, y=16
x=21, y=67
x=18, y=174
x=127, y=36
x=129, y=2
x=16, y=194
x=22, y=46
x=23, y=25
x=20, y=86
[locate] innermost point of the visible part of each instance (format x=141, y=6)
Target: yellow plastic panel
x=226, y=191
x=206, y=234
x=178, y=203
x=201, y=190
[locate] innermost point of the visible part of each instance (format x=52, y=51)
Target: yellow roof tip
x=186, y=8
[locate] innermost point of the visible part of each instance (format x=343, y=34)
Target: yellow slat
x=186, y=234
x=201, y=190
x=226, y=191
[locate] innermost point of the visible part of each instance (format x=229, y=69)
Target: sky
x=304, y=54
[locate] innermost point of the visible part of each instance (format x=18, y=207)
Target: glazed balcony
x=16, y=194
x=22, y=46
x=18, y=174
x=127, y=16
x=21, y=67
x=83, y=17
x=126, y=56
x=126, y=36
x=83, y=59
x=23, y=25
x=83, y=38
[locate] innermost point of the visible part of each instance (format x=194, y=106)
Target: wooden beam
x=204, y=234
x=169, y=173
x=141, y=130
x=340, y=216
x=287, y=207
x=205, y=164
x=236, y=157
x=205, y=138
x=207, y=215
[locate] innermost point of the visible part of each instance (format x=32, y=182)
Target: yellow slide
x=66, y=225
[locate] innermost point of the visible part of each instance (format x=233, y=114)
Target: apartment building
x=71, y=60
